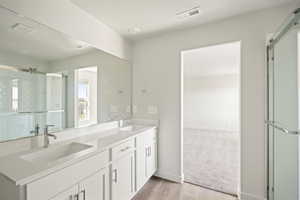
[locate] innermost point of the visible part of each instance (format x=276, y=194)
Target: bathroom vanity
x=90, y=167
x=67, y=89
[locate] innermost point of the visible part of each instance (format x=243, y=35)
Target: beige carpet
x=211, y=159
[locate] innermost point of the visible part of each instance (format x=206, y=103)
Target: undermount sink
x=131, y=128
x=54, y=154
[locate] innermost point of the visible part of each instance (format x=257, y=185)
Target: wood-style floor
x=159, y=189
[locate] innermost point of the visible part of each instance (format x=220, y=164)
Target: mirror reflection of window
x=86, y=98
x=83, y=100
x=15, y=95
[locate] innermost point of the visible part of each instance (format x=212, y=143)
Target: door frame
x=240, y=107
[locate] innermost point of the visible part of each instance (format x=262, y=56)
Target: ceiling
x=215, y=60
x=160, y=15
x=39, y=42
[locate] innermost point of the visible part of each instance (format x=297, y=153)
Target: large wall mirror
x=47, y=78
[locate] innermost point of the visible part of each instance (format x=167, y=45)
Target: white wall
x=212, y=102
x=157, y=68
x=66, y=17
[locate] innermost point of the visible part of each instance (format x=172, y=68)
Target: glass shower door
x=22, y=99
x=283, y=115
x=29, y=101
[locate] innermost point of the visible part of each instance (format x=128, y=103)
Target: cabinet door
x=69, y=194
x=122, y=177
x=91, y=188
x=141, y=158
x=151, y=161
x=104, y=184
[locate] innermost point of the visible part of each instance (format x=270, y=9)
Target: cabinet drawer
x=57, y=182
x=122, y=149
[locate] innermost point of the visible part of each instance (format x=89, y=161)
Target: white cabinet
x=69, y=194
x=55, y=183
x=123, y=174
x=146, y=160
x=141, y=160
x=123, y=178
x=94, y=187
x=104, y=186
x=116, y=173
x=151, y=164
x=89, y=188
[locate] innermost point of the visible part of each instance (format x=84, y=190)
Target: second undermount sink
x=57, y=153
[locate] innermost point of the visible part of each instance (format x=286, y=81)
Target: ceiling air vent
x=189, y=13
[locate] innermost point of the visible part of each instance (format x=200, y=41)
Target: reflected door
x=283, y=82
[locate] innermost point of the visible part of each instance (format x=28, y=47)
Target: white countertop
x=21, y=172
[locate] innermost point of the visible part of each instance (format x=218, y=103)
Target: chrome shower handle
x=283, y=129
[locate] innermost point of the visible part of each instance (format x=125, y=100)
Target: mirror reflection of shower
x=30, y=99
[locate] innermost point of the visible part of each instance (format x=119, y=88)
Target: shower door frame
x=290, y=22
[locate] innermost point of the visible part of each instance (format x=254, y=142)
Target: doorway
x=211, y=117
x=86, y=96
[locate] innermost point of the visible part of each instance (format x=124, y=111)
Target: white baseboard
x=246, y=196
x=170, y=177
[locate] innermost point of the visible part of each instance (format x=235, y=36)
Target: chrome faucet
x=47, y=135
